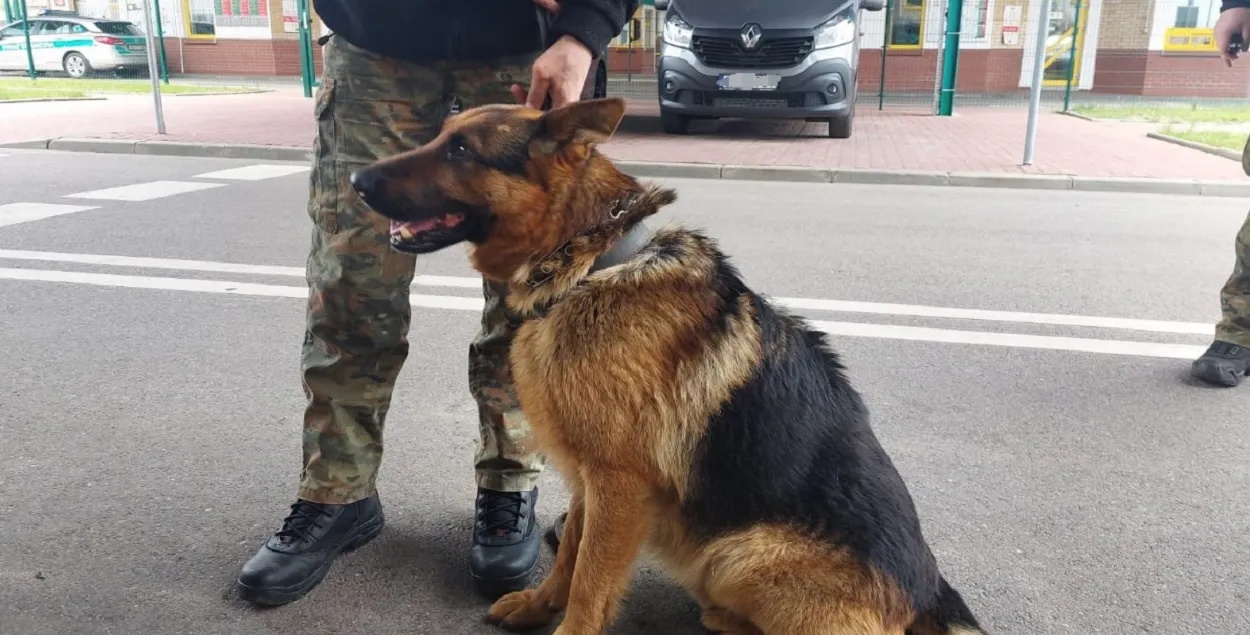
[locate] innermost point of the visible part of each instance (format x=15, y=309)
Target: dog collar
x=627, y=246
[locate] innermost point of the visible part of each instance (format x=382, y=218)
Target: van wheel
x=674, y=123
x=841, y=127
x=76, y=65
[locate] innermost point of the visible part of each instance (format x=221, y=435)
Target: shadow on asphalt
x=413, y=568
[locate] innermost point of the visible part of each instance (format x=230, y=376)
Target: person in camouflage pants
x=1227, y=360
x=371, y=105
x=358, y=310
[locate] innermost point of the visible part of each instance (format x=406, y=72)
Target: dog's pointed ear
x=590, y=122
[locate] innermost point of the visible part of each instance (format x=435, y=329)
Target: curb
x=33, y=100
x=167, y=148
x=653, y=169
x=1194, y=145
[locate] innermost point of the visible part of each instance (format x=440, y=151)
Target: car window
x=118, y=28
x=55, y=27
x=15, y=30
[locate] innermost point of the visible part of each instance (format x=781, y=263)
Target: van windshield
x=770, y=14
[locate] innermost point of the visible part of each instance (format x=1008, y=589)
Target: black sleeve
x=1234, y=4
x=595, y=22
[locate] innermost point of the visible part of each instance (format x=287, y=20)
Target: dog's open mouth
x=428, y=235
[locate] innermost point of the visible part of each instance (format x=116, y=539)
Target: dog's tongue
x=409, y=230
x=406, y=231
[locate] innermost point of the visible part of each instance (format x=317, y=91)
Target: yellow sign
x=1181, y=40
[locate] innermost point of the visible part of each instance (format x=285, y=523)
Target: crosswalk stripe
x=145, y=191
x=15, y=213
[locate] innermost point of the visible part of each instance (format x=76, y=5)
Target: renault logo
x=751, y=35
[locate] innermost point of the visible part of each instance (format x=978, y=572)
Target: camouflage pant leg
x=1235, y=296
x=358, y=316
x=506, y=459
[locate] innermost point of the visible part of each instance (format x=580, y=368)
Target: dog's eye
x=456, y=149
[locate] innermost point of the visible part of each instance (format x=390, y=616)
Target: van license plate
x=748, y=81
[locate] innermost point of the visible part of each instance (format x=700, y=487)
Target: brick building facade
x=1156, y=48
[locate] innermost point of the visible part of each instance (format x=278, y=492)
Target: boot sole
x=494, y=588
x=270, y=596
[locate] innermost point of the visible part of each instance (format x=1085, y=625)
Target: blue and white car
x=74, y=45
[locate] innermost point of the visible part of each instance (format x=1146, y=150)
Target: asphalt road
x=1070, y=477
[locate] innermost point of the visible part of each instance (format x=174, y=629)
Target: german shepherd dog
x=684, y=411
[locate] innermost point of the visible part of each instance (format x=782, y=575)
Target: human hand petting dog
x=559, y=72
x=1232, y=22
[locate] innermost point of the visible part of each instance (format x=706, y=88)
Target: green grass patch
x=1229, y=140
x=1192, y=113
x=115, y=86
x=17, y=94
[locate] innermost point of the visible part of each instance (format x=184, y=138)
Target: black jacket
x=1234, y=4
x=440, y=30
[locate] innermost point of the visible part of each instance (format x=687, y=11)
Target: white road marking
x=851, y=329
x=14, y=213
x=176, y=264
x=1014, y=340
x=145, y=191
x=1128, y=324
x=837, y=306
x=254, y=172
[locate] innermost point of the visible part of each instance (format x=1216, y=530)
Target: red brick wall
x=905, y=71
x=236, y=57
x=639, y=60
x=980, y=70
x=1156, y=75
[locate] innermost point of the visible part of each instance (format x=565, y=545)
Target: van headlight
x=677, y=32
x=837, y=31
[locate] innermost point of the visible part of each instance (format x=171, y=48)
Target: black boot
x=297, y=558
x=556, y=533
x=506, y=541
x=1224, y=364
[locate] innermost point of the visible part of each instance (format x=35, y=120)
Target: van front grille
x=723, y=52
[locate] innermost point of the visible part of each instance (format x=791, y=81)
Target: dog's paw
x=520, y=610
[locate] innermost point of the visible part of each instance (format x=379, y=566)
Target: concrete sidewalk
x=975, y=141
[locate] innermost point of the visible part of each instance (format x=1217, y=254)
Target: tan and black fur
x=685, y=412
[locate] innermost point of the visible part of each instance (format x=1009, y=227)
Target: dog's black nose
x=365, y=182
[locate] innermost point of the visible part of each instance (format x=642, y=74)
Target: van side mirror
x=661, y=5
x=872, y=5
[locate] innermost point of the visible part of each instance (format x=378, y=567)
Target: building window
x=1186, y=17
x=906, y=29
x=200, y=17
x=980, y=22
x=204, y=17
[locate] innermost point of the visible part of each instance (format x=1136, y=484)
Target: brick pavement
x=975, y=140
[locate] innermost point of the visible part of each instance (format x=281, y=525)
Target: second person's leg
x=506, y=534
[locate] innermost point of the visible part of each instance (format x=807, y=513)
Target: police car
x=73, y=44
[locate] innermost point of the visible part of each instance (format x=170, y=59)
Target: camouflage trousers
x=1234, y=327
x=356, y=338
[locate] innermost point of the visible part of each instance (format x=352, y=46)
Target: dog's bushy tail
x=950, y=616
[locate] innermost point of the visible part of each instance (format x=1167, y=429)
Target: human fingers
x=538, y=92
x=518, y=93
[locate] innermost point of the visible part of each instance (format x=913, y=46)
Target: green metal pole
x=305, y=47
x=8, y=12
x=950, y=57
x=30, y=56
x=160, y=37
x=885, y=46
x=1076, y=34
